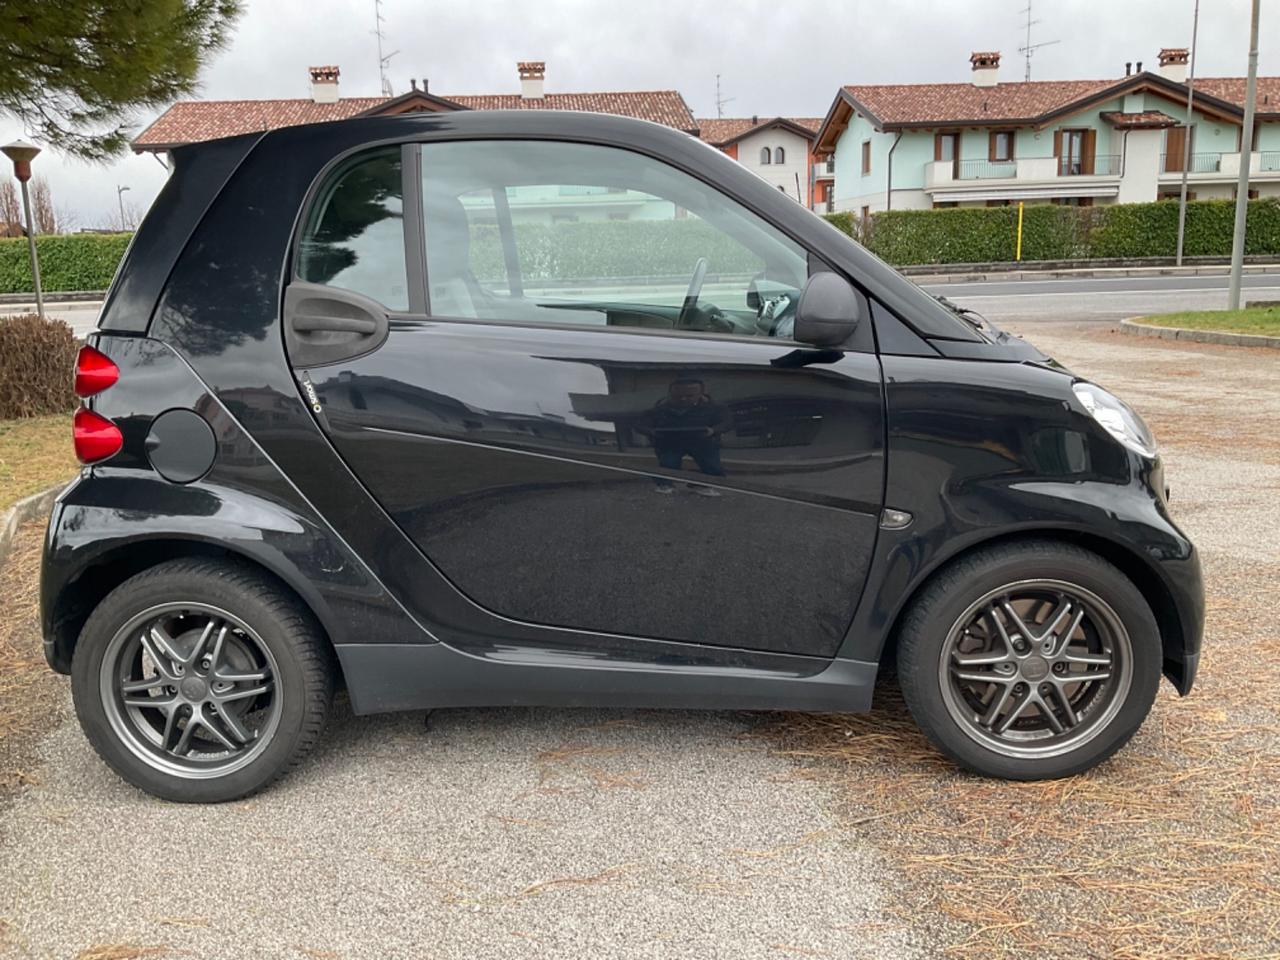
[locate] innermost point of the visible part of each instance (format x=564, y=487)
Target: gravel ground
x=551, y=833
x=492, y=833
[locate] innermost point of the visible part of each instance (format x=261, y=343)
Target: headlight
x=1116, y=418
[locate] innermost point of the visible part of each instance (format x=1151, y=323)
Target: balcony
x=1269, y=161
x=824, y=169
x=955, y=174
x=1104, y=165
x=986, y=169
x=1200, y=163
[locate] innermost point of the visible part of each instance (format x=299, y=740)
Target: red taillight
x=96, y=437
x=94, y=372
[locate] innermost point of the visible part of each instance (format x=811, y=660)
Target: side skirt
x=384, y=677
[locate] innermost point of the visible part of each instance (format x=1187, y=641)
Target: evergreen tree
x=75, y=71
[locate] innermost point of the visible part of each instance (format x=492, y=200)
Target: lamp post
x=22, y=153
x=120, y=197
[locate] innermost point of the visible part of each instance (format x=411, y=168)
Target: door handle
x=313, y=323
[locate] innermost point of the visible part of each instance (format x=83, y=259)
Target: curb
x=63, y=296
x=25, y=510
x=1131, y=326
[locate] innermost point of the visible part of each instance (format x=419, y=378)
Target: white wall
x=1142, y=149
x=782, y=175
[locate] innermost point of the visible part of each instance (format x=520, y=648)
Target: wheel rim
x=1036, y=668
x=191, y=690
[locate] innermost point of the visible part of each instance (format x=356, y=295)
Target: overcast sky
x=774, y=57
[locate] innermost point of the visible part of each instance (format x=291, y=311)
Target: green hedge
x=1050, y=232
x=82, y=261
x=588, y=249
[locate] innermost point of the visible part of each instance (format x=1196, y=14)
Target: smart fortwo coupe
x=540, y=408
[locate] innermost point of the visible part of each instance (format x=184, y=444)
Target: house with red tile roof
x=988, y=142
x=777, y=149
x=191, y=121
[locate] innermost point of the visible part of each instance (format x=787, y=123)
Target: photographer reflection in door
x=687, y=423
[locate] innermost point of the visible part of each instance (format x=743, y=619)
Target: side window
x=354, y=234
x=539, y=232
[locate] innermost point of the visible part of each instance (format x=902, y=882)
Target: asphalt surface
x=1099, y=299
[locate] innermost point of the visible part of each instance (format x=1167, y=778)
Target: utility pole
x=124, y=224
x=1246, y=155
x=1186, y=141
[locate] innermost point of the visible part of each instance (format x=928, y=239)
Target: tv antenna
x=720, y=101
x=383, y=60
x=1029, y=48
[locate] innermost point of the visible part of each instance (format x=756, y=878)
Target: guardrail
x=1200, y=163
x=1104, y=165
x=986, y=169
x=1269, y=160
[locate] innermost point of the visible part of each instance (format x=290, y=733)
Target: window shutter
x=937, y=147
x=991, y=146
x=1087, y=150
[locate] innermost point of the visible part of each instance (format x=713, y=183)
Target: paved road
x=1103, y=299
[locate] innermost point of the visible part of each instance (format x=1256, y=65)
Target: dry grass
x=28, y=690
x=1172, y=848
x=34, y=454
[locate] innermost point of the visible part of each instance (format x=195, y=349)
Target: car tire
x=249, y=661
x=963, y=628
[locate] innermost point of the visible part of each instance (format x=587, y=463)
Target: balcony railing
x=1200, y=163
x=986, y=169
x=824, y=168
x=1104, y=165
x=1269, y=160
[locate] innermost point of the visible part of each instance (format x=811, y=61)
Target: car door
x=565, y=371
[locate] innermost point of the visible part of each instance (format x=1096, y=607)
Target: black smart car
x=541, y=408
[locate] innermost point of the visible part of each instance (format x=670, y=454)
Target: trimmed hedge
x=1051, y=232
x=81, y=261
x=586, y=249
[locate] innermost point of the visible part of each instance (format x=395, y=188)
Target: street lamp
x=22, y=153
x=120, y=197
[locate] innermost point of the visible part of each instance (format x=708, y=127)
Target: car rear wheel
x=1030, y=660
x=201, y=681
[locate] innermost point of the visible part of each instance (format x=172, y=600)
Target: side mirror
x=828, y=311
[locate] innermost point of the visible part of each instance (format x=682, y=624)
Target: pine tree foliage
x=76, y=72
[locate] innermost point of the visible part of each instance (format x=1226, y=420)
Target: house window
x=945, y=204
x=779, y=155
x=865, y=214
x=1000, y=146
x=766, y=157
x=866, y=157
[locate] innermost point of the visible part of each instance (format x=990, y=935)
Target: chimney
x=986, y=64
x=413, y=83
x=1173, y=64
x=532, y=73
x=324, y=84
x=1128, y=68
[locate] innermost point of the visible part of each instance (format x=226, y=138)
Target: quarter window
x=354, y=238
x=560, y=233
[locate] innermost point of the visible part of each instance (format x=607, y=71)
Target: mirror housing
x=828, y=311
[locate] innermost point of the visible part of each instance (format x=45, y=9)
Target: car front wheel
x=201, y=681
x=1029, y=660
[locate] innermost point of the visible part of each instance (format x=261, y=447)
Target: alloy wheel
x=1036, y=668
x=191, y=690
